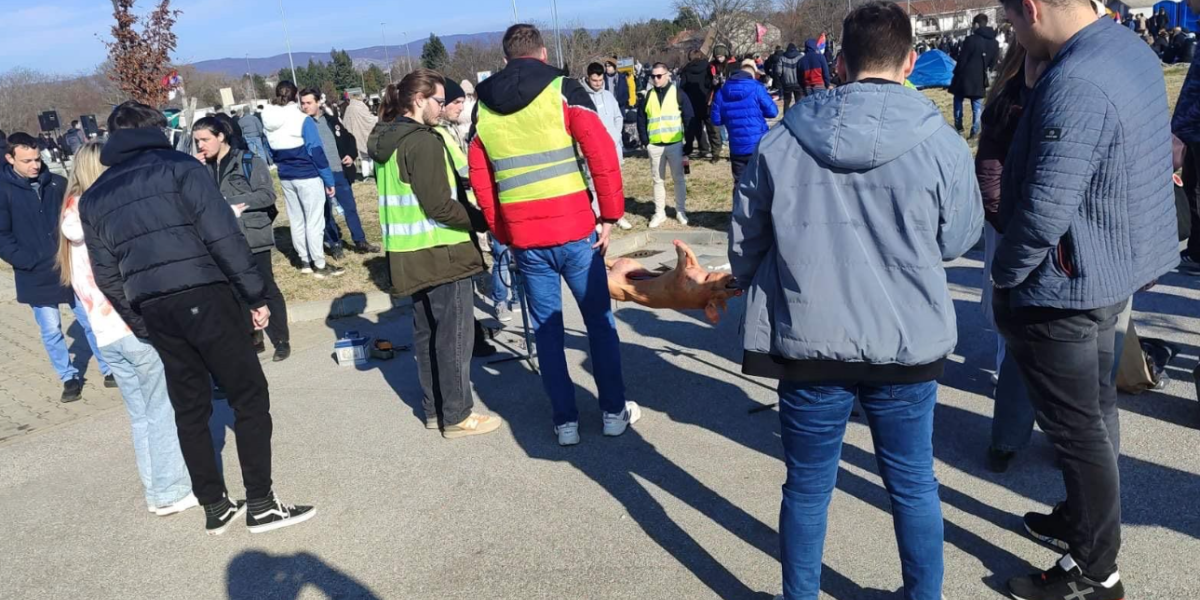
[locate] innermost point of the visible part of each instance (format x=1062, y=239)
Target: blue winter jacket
x=1186, y=122
x=841, y=223
x=743, y=106
x=1087, y=205
x=29, y=235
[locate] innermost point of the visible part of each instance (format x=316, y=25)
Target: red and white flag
x=761, y=30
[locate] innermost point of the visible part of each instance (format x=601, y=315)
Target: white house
x=935, y=18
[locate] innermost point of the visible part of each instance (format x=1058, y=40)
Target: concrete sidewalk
x=683, y=506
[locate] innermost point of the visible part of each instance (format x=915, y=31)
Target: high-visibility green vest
x=664, y=122
x=405, y=226
x=460, y=163
x=532, y=155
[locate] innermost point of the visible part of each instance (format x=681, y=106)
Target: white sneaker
x=615, y=425
x=306, y=269
x=187, y=502
x=623, y=223
x=681, y=217
x=657, y=221
x=568, y=433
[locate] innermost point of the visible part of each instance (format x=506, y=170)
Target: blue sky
x=61, y=36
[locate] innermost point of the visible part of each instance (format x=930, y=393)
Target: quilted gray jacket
x=1086, y=205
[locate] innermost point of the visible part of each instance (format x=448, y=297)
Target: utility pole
x=516, y=19
x=250, y=91
x=557, y=36
x=288, y=38
x=408, y=49
x=386, y=58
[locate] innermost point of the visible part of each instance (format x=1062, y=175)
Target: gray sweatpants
x=304, y=200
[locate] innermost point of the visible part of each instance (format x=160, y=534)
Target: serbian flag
x=821, y=44
x=760, y=30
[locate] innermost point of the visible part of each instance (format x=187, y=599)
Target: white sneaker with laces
x=681, y=217
x=187, y=502
x=657, y=221
x=615, y=425
x=623, y=223
x=568, y=433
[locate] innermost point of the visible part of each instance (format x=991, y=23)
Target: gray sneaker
x=503, y=313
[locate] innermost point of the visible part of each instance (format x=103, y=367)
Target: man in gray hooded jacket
x=841, y=223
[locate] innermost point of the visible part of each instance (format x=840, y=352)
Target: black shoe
x=72, y=389
x=259, y=345
x=483, y=350
x=221, y=515
x=1051, y=529
x=366, y=248
x=997, y=460
x=328, y=271
x=268, y=514
x=110, y=381
x=282, y=351
x=336, y=252
x=1065, y=582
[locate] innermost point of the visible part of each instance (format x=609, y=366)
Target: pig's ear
x=687, y=258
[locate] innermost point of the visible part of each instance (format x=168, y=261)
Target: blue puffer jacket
x=1186, y=122
x=1087, y=207
x=841, y=222
x=743, y=106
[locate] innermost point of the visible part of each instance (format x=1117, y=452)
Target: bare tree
x=140, y=58
x=732, y=21
x=799, y=20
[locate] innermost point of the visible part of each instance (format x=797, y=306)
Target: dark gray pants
x=443, y=339
x=1066, y=358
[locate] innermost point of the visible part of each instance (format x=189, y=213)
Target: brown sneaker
x=476, y=424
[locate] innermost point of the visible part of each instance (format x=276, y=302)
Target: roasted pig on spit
x=687, y=286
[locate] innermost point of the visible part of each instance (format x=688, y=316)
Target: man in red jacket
x=526, y=177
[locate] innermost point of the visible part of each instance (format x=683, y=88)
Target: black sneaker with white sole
x=329, y=270
x=268, y=514
x=1051, y=529
x=1065, y=581
x=221, y=515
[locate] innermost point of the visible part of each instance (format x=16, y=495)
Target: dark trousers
x=791, y=95
x=738, y=163
x=695, y=133
x=277, y=329
x=200, y=336
x=443, y=338
x=1066, y=358
x=1191, y=185
x=714, y=136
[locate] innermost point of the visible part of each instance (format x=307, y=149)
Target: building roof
x=930, y=8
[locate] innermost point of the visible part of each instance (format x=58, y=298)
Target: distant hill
x=270, y=65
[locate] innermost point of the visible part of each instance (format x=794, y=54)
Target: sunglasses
x=660, y=76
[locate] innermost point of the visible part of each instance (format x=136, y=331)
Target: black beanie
x=453, y=91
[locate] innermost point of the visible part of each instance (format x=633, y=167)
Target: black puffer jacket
x=156, y=225
x=696, y=80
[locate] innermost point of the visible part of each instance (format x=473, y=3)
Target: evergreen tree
x=342, y=71
x=374, y=79
x=434, y=55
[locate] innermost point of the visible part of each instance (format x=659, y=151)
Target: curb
x=365, y=303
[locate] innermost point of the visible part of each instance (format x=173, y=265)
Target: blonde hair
x=87, y=170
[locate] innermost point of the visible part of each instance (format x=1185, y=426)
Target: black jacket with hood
x=790, y=76
x=977, y=56
x=156, y=225
x=696, y=80
x=421, y=157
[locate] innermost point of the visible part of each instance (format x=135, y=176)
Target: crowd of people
x=839, y=230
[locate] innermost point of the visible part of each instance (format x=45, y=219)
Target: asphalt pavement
x=683, y=506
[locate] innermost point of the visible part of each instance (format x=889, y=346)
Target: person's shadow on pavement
x=256, y=575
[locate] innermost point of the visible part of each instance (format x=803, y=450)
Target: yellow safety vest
x=664, y=122
x=460, y=163
x=532, y=155
x=405, y=226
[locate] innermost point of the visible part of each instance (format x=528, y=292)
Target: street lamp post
x=288, y=38
x=386, y=58
x=516, y=19
x=557, y=35
x=408, y=49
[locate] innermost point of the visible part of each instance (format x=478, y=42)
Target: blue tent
x=933, y=69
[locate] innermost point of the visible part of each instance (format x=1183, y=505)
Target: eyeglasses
x=441, y=101
x=658, y=76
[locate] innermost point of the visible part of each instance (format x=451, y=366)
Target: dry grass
x=709, y=197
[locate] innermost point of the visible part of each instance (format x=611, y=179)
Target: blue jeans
x=976, y=113
x=139, y=374
x=344, y=195
x=256, y=146
x=49, y=320
x=813, y=418
x=544, y=269
x=501, y=274
x=1013, y=415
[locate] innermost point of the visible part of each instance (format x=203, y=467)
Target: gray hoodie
x=841, y=223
